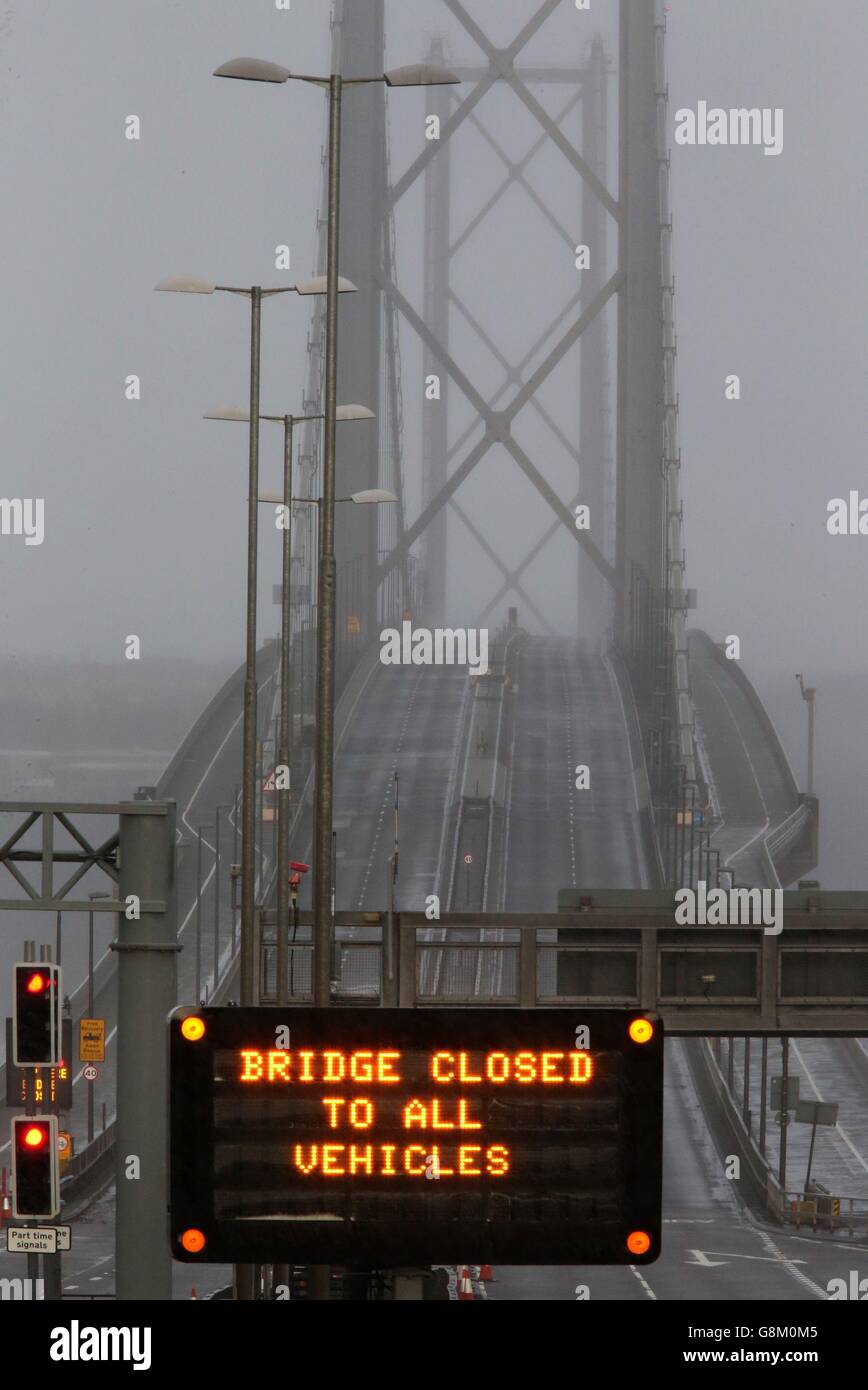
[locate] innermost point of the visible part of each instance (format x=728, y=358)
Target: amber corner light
x=193, y=1241
x=638, y=1242
x=193, y=1028
x=641, y=1030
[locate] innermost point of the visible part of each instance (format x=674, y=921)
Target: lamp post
x=198, y=984
x=417, y=75
x=189, y=285
x=231, y=413
x=369, y=497
x=218, y=809
x=809, y=695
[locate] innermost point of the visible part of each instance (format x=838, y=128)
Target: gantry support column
x=361, y=51
x=595, y=594
x=147, y=947
x=639, y=482
x=435, y=431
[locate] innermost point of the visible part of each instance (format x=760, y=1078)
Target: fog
x=144, y=501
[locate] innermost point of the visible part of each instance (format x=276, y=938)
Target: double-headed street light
x=189, y=285
x=368, y=497
x=233, y=413
x=416, y=75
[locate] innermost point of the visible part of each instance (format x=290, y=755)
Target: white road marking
x=644, y=1282
x=790, y=1265
x=389, y=794
x=842, y=1133
x=702, y=1260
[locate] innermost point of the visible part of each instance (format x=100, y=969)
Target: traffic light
x=36, y=1005
x=35, y=1166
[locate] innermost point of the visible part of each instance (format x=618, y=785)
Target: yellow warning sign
x=64, y=1146
x=91, y=1040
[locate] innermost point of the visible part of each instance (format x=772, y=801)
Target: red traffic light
x=34, y=1137
x=35, y=1167
x=36, y=1019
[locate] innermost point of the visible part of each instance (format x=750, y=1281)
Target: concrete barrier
x=757, y=1185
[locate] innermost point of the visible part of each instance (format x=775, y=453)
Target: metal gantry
x=45, y=818
x=139, y=861
x=619, y=949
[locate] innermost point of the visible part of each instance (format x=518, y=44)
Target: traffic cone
x=193, y=1293
x=485, y=1274
x=465, y=1285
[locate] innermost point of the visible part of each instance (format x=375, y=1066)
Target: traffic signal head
x=36, y=1013
x=35, y=1166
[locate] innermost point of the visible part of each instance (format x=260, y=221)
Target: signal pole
x=147, y=947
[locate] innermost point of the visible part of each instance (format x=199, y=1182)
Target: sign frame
x=18, y=1234
x=20, y=1240
x=543, y=1227
x=91, y=1049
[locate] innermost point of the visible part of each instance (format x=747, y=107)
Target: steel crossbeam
x=498, y=419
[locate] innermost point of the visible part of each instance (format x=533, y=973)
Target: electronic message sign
x=48, y=1088
x=385, y=1137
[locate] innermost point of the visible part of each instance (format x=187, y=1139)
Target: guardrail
x=824, y=1211
x=791, y=848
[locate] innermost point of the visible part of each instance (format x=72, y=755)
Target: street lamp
x=416, y=75
x=371, y=496
x=376, y=497
x=190, y=285
x=234, y=413
x=809, y=695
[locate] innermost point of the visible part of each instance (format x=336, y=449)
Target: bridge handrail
x=747, y=689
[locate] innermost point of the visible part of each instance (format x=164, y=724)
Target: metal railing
x=700, y=980
x=821, y=1210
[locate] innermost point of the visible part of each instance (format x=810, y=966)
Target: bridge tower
x=622, y=448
